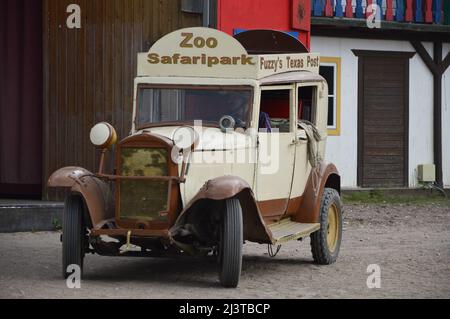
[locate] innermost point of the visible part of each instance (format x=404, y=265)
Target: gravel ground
x=411, y=244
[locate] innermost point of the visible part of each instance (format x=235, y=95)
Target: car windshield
x=186, y=105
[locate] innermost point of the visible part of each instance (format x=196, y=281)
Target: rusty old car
x=227, y=146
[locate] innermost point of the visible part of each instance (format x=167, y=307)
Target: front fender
x=95, y=192
x=227, y=187
x=67, y=177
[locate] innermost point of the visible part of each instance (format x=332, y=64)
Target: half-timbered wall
x=343, y=148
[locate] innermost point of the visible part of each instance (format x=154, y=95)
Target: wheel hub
x=332, y=228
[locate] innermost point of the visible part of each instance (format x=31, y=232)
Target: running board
x=287, y=230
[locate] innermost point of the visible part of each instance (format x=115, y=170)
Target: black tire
x=74, y=234
x=325, y=248
x=231, y=243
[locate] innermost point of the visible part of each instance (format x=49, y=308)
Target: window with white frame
x=330, y=69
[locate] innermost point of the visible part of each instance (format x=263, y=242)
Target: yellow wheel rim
x=333, y=227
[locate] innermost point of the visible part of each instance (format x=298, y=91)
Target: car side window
x=307, y=103
x=275, y=110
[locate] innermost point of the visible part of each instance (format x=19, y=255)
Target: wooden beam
x=437, y=67
x=426, y=58
x=437, y=119
x=445, y=64
x=391, y=54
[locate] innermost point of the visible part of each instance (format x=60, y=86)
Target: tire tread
x=319, y=246
x=72, y=237
x=232, y=245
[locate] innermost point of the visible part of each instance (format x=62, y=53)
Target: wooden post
x=328, y=8
x=428, y=11
x=368, y=8
x=317, y=8
x=359, y=12
x=349, y=9
x=399, y=16
x=437, y=123
x=338, y=10
x=437, y=67
x=409, y=11
x=437, y=11
x=418, y=13
x=389, y=10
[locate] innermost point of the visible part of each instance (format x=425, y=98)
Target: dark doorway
x=383, y=105
x=21, y=85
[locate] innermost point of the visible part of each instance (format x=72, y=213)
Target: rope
x=270, y=250
x=314, y=138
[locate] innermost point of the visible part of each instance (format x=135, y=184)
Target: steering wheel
x=229, y=122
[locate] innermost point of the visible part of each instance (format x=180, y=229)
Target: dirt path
x=411, y=244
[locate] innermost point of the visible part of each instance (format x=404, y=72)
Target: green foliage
x=56, y=224
x=388, y=197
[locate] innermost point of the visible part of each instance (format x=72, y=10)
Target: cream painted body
x=218, y=154
x=179, y=60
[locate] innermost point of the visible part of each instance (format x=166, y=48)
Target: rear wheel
x=326, y=242
x=231, y=243
x=74, y=235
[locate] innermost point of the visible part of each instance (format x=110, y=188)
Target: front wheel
x=231, y=243
x=73, y=236
x=326, y=242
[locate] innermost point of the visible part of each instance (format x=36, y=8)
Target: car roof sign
x=205, y=52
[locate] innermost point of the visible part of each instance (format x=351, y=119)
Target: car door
x=276, y=151
x=306, y=100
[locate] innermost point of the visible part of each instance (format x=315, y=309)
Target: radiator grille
x=143, y=199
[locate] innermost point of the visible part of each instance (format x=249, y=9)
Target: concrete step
x=27, y=216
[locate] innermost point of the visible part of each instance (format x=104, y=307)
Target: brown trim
x=360, y=141
x=294, y=205
x=437, y=113
x=426, y=58
x=437, y=67
x=320, y=177
x=406, y=119
x=274, y=208
x=361, y=54
x=177, y=86
x=384, y=54
x=445, y=64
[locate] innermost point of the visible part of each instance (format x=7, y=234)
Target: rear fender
x=95, y=192
x=323, y=176
x=218, y=190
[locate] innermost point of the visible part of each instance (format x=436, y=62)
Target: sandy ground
x=411, y=244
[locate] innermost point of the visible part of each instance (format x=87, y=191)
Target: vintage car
x=226, y=147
